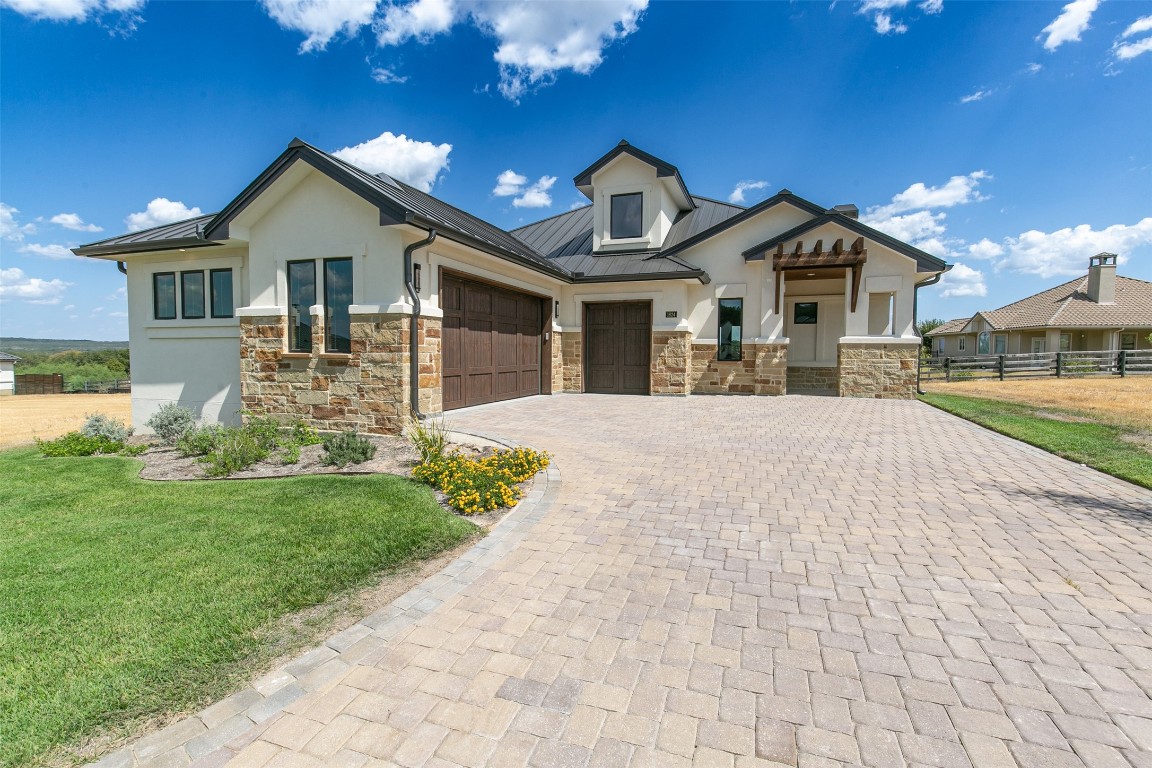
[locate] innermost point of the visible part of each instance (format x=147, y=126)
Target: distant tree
x=924, y=326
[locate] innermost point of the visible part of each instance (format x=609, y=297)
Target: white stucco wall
x=7, y=378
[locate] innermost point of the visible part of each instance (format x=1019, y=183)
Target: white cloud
x=959, y=190
x=979, y=95
x=117, y=314
x=912, y=227
x=913, y=218
x=418, y=163
x=160, y=211
x=1066, y=251
x=1125, y=49
x=14, y=284
x=51, y=251
x=420, y=20
x=69, y=307
x=1070, y=24
x=386, y=76
x=882, y=13
x=10, y=227
x=74, y=222
x=536, y=196
x=985, y=249
x=509, y=183
x=320, y=20
x=741, y=187
x=962, y=280
x=1141, y=25
x=1033, y=68
x=71, y=10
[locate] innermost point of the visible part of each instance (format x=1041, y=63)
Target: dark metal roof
x=179, y=234
x=663, y=169
x=639, y=266
x=925, y=262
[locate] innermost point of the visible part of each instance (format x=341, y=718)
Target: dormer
x=635, y=197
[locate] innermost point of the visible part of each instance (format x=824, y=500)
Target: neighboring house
x=297, y=298
x=8, y=373
x=1100, y=311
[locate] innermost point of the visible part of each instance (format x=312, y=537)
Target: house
x=1099, y=311
x=8, y=373
x=297, y=298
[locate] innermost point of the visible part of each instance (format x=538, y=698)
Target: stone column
x=573, y=355
x=886, y=370
x=671, y=361
x=771, y=369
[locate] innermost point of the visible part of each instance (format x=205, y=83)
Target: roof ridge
x=721, y=202
x=1067, y=300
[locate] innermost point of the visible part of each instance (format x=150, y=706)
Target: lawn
x=121, y=598
x=1119, y=450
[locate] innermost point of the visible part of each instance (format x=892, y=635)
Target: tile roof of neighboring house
x=1068, y=306
x=7, y=358
x=952, y=326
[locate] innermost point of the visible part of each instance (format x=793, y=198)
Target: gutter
x=915, y=305
x=122, y=267
x=413, y=344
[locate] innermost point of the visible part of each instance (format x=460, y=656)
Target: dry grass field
x=1125, y=402
x=23, y=417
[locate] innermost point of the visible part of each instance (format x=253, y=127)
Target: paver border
x=216, y=734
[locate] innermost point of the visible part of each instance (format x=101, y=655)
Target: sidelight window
x=301, y=297
x=731, y=329
x=337, y=298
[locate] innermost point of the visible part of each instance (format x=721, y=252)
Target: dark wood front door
x=491, y=342
x=617, y=348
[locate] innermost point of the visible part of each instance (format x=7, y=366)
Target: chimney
x=848, y=210
x=1102, y=278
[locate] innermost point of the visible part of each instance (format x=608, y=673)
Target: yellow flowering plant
x=475, y=486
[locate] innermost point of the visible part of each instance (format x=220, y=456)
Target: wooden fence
x=54, y=384
x=1037, y=365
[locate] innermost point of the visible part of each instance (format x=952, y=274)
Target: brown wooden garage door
x=490, y=345
x=617, y=347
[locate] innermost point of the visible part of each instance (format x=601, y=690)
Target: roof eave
x=488, y=248
x=698, y=274
x=745, y=215
x=124, y=249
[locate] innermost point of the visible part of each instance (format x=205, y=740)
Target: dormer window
x=627, y=216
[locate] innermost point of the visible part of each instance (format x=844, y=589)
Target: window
x=939, y=346
x=1128, y=341
x=1000, y=344
x=222, y=302
x=627, y=212
x=982, y=343
x=301, y=297
x=164, y=295
x=1065, y=342
x=337, y=297
x=962, y=344
x=192, y=295
x=731, y=327
x=804, y=314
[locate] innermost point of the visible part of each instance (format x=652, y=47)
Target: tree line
x=78, y=366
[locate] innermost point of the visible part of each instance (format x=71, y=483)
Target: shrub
x=171, y=421
x=291, y=453
x=474, y=486
x=99, y=425
x=200, y=440
x=265, y=430
x=347, y=448
x=305, y=434
x=79, y=444
x=429, y=438
x=237, y=448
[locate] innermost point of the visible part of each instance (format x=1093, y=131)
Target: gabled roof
x=583, y=180
x=952, y=326
x=925, y=262
x=179, y=234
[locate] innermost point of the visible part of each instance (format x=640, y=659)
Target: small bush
x=429, y=438
x=99, y=425
x=305, y=434
x=236, y=449
x=265, y=430
x=79, y=444
x=474, y=486
x=347, y=448
x=171, y=421
x=200, y=440
x=290, y=453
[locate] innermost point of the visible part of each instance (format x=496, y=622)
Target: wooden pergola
x=818, y=258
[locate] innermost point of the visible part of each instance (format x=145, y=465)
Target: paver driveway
x=746, y=581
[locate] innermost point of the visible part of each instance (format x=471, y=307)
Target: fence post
x=1059, y=363
x=1001, y=367
x=1122, y=362
x=948, y=369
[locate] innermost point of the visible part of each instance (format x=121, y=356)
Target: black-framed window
x=192, y=295
x=337, y=298
x=301, y=297
x=164, y=295
x=804, y=313
x=731, y=329
x=627, y=215
x=223, y=303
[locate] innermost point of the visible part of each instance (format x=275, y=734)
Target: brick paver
x=764, y=581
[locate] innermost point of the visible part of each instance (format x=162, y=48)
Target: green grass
x=121, y=598
x=1100, y=446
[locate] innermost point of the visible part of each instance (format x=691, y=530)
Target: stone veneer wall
x=366, y=390
x=885, y=371
x=572, y=351
x=771, y=368
x=557, y=361
x=762, y=370
x=671, y=361
x=803, y=379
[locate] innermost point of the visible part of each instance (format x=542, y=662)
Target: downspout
x=915, y=305
x=122, y=267
x=413, y=344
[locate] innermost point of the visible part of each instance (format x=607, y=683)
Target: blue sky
x=1013, y=139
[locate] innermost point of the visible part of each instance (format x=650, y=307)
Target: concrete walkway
x=728, y=581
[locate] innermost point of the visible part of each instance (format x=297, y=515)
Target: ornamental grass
x=475, y=486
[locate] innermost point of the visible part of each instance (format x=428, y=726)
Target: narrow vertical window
x=337, y=298
x=164, y=295
x=627, y=215
x=301, y=297
x=982, y=343
x=1065, y=342
x=731, y=329
x=192, y=295
x=222, y=301
x=962, y=344
x=1000, y=344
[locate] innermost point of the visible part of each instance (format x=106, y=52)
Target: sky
x=1012, y=139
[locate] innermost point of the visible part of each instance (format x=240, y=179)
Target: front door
x=1037, y=346
x=617, y=347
